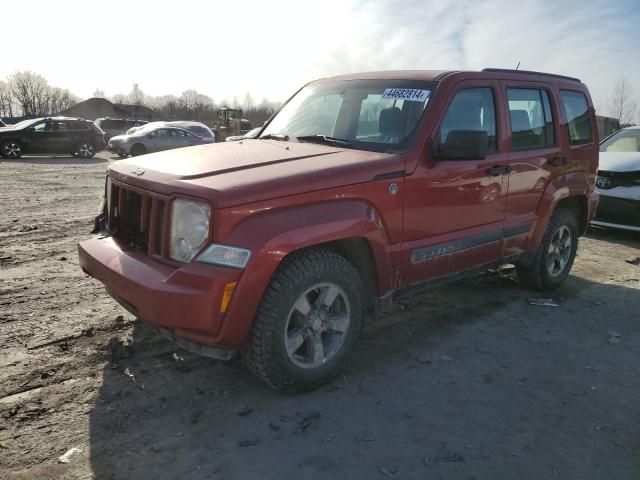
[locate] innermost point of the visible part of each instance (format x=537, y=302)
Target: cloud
x=595, y=41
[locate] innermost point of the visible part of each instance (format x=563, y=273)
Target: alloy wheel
x=12, y=150
x=317, y=326
x=559, y=251
x=86, y=150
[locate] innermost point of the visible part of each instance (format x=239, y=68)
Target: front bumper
x=619, y=208
x=184, y=300
x=115, y=147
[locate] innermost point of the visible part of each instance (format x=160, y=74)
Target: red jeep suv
x=361, y=187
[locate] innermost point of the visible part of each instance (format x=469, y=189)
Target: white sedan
x=618, y=181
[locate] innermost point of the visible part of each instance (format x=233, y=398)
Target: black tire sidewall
x=291, y=283
x=80, y=150
x=561, y=217
x=138, y=149
x=10, y=141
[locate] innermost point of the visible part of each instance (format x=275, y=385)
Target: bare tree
x=98, y=93
x=60, y=100
x=6, y=102
x=31, y=95
x=622, y=103
x=119, y=98
x=136, y=97
x=248, y=103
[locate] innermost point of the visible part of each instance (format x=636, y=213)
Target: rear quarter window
x=577, y=110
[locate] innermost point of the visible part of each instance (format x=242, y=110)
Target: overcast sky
x=270, y=47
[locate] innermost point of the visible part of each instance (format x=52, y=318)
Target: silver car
x=154, y=138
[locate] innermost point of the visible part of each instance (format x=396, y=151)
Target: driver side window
x=42, y=127
x=472, y=109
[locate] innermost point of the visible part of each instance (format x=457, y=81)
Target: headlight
x=189, y=229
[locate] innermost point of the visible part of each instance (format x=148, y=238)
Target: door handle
x=557, y=161
x=498, y=169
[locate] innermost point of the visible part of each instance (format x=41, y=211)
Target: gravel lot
x=466, y=382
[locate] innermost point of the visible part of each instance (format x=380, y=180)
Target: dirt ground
x=466, y=382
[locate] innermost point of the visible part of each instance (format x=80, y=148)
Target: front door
x=40, y=138
x=455, y=209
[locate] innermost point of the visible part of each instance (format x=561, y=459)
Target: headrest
x=390, y=120
x=519, y=121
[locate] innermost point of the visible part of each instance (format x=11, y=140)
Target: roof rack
x=529, y=72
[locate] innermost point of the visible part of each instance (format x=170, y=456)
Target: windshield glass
x=627, y=140
x=25, y=123
x=373, y=115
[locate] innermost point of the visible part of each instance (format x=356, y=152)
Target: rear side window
x=576, y=108
x=531, y=120
x=70, y=126
x=471, y=109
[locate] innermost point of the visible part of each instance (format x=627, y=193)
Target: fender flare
x=273, y=234
x=563, y=186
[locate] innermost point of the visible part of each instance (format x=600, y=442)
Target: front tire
x=308, y=322
x=555, y=255
x=138, y=149
x=11, y=149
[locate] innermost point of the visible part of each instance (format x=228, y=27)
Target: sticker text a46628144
x=410, y=94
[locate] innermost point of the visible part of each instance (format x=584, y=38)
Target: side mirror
x=464, y=145
x=31, y=129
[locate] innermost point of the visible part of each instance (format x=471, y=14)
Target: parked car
x=117, y=126
x=74, y=136
x=154, y=138
x=198, y=128
x=618, y=181
x=250, y=134
x=361, y=188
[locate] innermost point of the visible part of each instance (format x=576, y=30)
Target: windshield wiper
x=275, y=136
x=324, y=139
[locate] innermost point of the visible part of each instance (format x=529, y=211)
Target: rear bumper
x=184, y=300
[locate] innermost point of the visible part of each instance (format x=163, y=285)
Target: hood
x=619, y=162
x=235, y=173
x=119, y=138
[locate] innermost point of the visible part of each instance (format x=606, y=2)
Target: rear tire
x=309, y=320
x=86, y=150
x=555, y=255
x=138, y=149
x=11, y=149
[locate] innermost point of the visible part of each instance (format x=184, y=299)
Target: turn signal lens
x=229, y=288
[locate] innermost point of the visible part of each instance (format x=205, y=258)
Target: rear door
x=536, y=155
x=68, y=136
x=454, y=209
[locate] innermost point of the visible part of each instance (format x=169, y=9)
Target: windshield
x=627, y=140
x=376, y=115
x=145, y=129
x=25, y=123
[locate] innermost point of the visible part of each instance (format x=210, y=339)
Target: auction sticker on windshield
x=409, y=94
